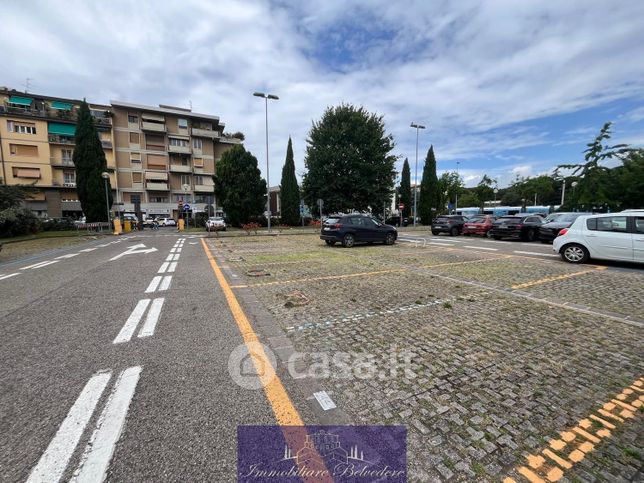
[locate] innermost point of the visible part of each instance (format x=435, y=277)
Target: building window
x=23, y=150
x=198, y=162
x=197, y=143
x=132, y=119
x=199, y=180
x=155, y=143
x=179, y=142
x=136, y=199
x=67, y=155
x=185, y=179
x=158, y=199
x=21, y=127
x=137, y=177
x=134, y=138
x=182, y=123
x=135, y=159
x=69, y=177
x=33, y=173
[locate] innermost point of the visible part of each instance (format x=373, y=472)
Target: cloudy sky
x=504, y=87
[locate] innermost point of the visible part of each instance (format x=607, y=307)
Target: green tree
x=429, y=190
x=450, y=186
x=469, y=198
x=484, y=190
x=628, y=181
x=15, y=219
x=239, y=187
x=90, y=162
x=348, y=161
x=289, y=190
x=406, y=196
x=594, y=179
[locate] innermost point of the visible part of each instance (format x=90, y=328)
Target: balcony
x=106, y=144
x=156, y=186
x=179, y=149
x=204, y=188
x=205, y=133
x=61, y=163
x=180, y=168
x=153, y=126
x=70, y=184
x=58, y=139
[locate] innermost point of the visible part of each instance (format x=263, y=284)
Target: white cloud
x=469, y=70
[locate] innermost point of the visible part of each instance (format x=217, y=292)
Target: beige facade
x=156, y=156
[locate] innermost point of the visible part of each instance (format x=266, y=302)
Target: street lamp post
x=458, y=178
x=105, y=175
x=268, y=184
x=417, y=127
x=496, y=190
x=574, y=198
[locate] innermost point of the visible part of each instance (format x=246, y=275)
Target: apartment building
x=157, y=157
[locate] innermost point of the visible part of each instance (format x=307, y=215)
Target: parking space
x=487, y=356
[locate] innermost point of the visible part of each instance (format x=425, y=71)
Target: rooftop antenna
x=27, y=84
x=190, y=103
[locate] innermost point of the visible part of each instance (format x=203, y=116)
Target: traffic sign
x=401, y=206
x=186, y=207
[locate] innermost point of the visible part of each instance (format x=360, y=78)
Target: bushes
x=18, y=221
x=58, y=224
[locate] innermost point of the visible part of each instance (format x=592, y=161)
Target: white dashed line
x=164, y=267
x=88, y=249
x=153, y=284
x=53, y=462
x=132, y=322
x=170, y=258
x=440, y=244
x=4, y=277
x=172, y=267
x=152, y=318
x=481, y=248
x=40, y=265
x=536, y=253
x=172, y=250
x=69, y=255
x=165, y=284
x=176, y=257
x=100, y=447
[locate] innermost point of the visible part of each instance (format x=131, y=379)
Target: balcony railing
x=58, y=139
x=180, y=168
x=156, y=186
x=179, y=149
x=65, y=163
x=205, y=133
x=204, y=188
x=152, y=126
x=69, y=184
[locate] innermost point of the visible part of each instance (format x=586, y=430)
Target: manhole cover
x=295, y=299
x=236, y=259
x=257, y=273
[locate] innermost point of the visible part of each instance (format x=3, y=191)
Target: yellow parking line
x=312, y=279
x=555, y=278
x=468, y=261
x=280, y=402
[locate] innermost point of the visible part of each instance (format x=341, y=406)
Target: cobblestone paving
x=492, y=378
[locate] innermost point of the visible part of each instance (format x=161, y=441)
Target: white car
x=166, y=222
x=215, y=223
x=610, y=236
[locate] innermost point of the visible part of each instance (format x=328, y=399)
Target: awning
x=152, y=117
x=27, y=173
x=62, y=106
x=153, y=175
x=61, y=129
x=21, y=101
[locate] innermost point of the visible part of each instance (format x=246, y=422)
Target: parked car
x=520, y=226
x=81, y=221
x=478, y=225
x=356, y=228
x=610, y=236
x=395, y=221
x=215, y=223
x=452, y=224
x=166, y=222
x=554, y=223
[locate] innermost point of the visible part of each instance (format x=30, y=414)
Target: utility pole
x=417, y=127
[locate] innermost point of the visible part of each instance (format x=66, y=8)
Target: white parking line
x=449, y=240
x=102, y=246
x=153, y=284
x=481, y=248
x=165, y=284
x=88, y=249
x=440, y=244
x=69, y=255
x=54, y=460
x=152, y=318
x=100, y=448
x=4, y=277
x=40, y=265
x=34, y=265
x=536, y=253
x=164, y=267
x=132, y=322
x=172, y=267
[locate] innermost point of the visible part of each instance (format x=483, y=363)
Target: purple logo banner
x=322, y=454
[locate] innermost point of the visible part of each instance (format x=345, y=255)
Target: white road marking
x=152, y=318
x=40, y=265
x=481, y=248
x=4, y=277
x=102, y=246
x=100, y=447
x=88, y=249
x=172, y=267
x=165, y=284
x=54, y=460
x=176, y=257
x=164, y=267
x=153, y=284
x=172, y=250
x=536, y=253
x=132, y=322
x=34, y=265
x=170, y=258
x=132, y=250
x=449, y=240
x=440, y=244
x=69, y=255
x=179, y=249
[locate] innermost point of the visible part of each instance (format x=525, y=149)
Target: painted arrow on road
x=133, y=250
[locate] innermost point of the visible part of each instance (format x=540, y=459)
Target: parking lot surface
x=505, y=363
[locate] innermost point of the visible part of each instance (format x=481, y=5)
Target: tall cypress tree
x=90, y=162
x=406, y=197
x=289, y=190
x=429, y=189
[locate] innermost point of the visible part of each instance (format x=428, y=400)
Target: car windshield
x=506, y=219
x=331, y=221
x=562, y=217
x=476, y=219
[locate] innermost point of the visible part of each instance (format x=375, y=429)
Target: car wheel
x=574, y=253
x=390, y=239
x=488, y=234
x=348, y=241
x=329, y=242
x=453, y=232
x=530, y=236
x=435, y=233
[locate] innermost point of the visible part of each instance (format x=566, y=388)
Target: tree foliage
x=450, y=186
x=90, y=162
x=429, y=189
x=15, y=219
x=405, y=193
x=348, y=161
x=289, y=190
x=239, y=187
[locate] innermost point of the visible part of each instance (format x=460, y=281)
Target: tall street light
x=416, y=127
x=457, y=187
x=105, y=175
x=268, y=184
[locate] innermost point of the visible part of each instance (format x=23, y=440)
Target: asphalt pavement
x=114, y=363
